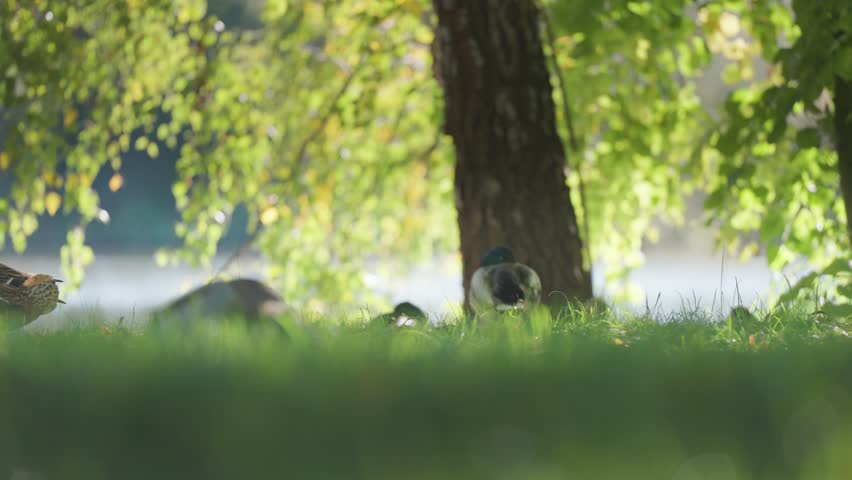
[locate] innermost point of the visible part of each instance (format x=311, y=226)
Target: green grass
x=576, y=394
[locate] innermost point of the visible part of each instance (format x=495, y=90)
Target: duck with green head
x=404, y=314
x=500, y=283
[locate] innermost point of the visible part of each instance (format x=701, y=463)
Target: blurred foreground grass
x=575, y=395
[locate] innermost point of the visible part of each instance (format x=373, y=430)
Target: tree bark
x=843, y=142
x=510, y=175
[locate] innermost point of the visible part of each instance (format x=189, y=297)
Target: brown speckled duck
x=33, y=295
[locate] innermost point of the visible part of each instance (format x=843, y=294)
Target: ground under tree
x=510, y=175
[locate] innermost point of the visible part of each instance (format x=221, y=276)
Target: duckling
x=32, y=295
x=502, y=284
x=404, y=314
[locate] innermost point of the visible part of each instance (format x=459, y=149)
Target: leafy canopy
x=325, y=125
x=764, y=157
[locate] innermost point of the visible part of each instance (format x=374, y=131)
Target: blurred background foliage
x=315, y=126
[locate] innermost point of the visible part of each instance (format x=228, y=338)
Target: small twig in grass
x=787, y=279
x=721, y=285
x=737, y=291
x=697, y=301
x=647, y=306
x=684, y=306
x=713, y=305
x=656, y=303
x=564, y=295
x=817, y=301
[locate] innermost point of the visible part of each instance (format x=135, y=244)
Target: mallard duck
x=404, y=314
x=500, y=283
x=33, y=295
x=246, y=298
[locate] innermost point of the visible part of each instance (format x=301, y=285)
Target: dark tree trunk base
x=843, y=140
x=510, y=177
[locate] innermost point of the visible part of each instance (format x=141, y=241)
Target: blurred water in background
x=124, y=280
x=680, y=271
x=131, y=285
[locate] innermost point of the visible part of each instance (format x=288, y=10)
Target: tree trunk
x=843, y=140
x=510, y=176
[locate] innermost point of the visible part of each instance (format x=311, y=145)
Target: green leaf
x=808, y=138
x=141, y=143
x=152, y=150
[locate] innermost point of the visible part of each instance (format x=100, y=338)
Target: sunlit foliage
x=771, y=163
x=629, y=69
x=324, y=125
x=765, y=157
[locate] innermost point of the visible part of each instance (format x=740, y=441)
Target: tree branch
x=572, y=137
x=300, y=161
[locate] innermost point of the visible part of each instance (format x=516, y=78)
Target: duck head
x=39, y=279
x=404, y=314
x=497, y=255
x=408, y=309
x=43, y=293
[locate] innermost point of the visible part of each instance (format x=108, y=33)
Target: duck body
x=32, y=295
x=501, y=283
x=249, y=299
